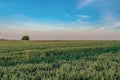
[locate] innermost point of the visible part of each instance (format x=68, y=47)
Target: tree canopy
x=25, y=38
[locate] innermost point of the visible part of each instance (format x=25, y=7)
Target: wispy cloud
x=109, y=10
x=108, y=17
x=114, y=26
x=83, y=16
x=84, y=3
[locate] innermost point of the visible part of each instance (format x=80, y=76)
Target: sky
x=60, y=19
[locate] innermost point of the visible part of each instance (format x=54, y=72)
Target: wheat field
x=60, y=60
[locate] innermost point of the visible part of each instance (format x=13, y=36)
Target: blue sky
x=60, y=19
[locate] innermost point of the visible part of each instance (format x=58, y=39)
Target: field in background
x=59, y=60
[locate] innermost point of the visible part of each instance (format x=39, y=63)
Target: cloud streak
x=83, y=16
x=109, y=10
x=84, y=3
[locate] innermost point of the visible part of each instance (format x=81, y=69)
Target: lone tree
x=25, y=38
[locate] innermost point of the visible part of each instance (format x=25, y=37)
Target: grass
x=59, y=60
